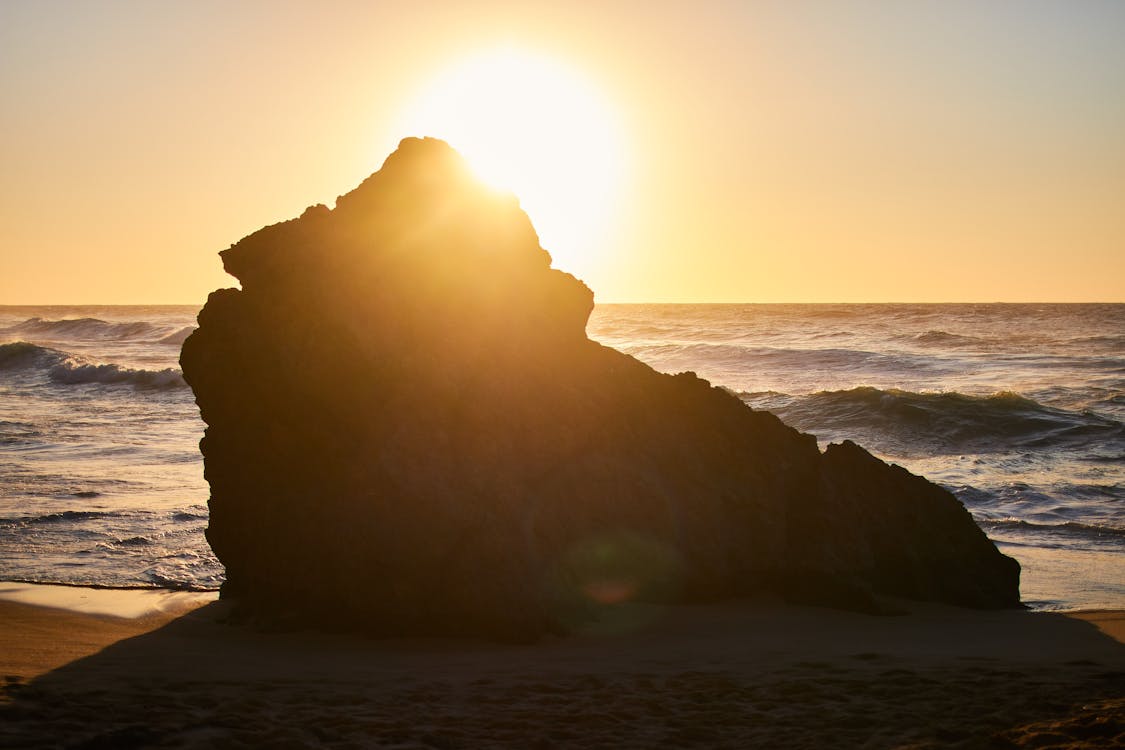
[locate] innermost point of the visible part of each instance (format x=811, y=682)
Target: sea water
x=1019, y=410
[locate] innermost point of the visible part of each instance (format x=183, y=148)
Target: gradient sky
x=773, y=151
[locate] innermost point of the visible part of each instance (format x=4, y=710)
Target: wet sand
x=744, y=674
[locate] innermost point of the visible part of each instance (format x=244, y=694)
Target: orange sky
x=770, y=151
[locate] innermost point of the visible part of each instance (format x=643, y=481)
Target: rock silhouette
x=408, y=432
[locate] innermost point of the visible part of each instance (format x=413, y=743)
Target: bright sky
x=955, y=150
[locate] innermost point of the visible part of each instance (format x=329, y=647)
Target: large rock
x=409, y=432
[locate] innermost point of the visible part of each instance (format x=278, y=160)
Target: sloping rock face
x=409, y=432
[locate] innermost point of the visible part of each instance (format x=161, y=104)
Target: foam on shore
x=127, y=603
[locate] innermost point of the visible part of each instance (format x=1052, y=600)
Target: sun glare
x=531, y=125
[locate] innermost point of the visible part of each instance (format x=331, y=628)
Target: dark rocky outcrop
x=409, y=432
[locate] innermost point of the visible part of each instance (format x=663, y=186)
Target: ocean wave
x=20, y=355
x=63, y=368
x=177, y=338
x=1098, y=493
x=735, y=357
x=1114, y=341
x=14, y=432
x=945, y=339
x=71, y=373
x=1104, y=458
x=61, y=517
x=186, y=571
x=938, y=421
x=184, y=515
x=86, y=328
x=133, y=541
x=1068, y=527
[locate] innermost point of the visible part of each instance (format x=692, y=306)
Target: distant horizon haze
x=673, y=303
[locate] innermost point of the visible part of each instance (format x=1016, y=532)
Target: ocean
x=1019, y=410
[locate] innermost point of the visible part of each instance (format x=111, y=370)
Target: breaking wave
x=85, y=328
x=1070, y=534
x=1070, y=527
x=947, y=420
x=69, y=373
x=177, y=338
x=67, y=369
x=19, y=355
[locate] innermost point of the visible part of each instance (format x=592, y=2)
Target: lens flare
x=614, y=583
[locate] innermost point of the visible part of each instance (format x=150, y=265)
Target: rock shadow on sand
x=736, y=675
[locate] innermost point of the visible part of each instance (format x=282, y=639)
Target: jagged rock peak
x=422, y=231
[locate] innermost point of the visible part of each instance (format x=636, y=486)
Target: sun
x=536, y=127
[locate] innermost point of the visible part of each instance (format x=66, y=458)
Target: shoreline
x=124, y=602
x=736, y=674
x=130, y=602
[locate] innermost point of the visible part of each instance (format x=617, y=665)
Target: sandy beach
x=741, y=674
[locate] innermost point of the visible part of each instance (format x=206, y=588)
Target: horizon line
x=644, y=302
